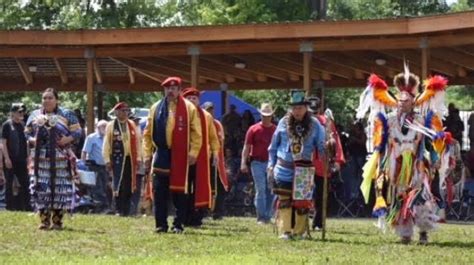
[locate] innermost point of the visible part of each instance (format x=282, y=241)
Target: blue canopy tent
x=216, y=99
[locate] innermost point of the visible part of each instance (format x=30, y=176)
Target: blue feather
x=429, y=119
x=385, y=133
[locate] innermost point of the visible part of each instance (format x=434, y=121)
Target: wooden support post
x=307, y=49
x=425, y=58
x=89, y=55
x=194, y=51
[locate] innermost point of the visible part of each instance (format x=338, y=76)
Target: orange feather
x=384, y=97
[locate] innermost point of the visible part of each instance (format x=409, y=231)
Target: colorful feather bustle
x=375, y=98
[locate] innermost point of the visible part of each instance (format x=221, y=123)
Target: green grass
x=111, y=240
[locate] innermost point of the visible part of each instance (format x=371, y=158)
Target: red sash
x=202, y=194
x=180, y=149
x=221, y=164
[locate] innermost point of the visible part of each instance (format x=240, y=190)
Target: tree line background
x=105, y=14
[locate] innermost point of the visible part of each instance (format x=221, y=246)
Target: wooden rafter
x=131, y=75
x=253, y=65
x=321, y=66
x=61, y=70
x=394, y=65
x=295, y=67
x=145, y=67
x=24, y=71
x=360, y=67
x=238, y=73
x=140, y=71
x=460, y=58
x=414, y=58
x=97, y=72
x=184, y=64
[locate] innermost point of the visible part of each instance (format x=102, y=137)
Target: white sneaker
x=285, y=236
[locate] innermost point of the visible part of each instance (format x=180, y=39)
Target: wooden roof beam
x=27, y=75
x=193, y=34
x=61, y=70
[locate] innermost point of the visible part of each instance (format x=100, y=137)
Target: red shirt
x=259, y=138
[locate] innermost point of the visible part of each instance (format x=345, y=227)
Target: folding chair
x=455, y=210
x=344, y=208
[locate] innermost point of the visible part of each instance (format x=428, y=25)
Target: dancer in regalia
x=409, y=148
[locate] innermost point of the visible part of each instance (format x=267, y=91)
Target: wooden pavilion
x=328, y=54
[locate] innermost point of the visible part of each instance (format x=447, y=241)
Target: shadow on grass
x=351, y=233
x=77, y=230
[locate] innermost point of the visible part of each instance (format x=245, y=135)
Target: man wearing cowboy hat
x=257, y=140
x=122, y=156
x=201, y=174
x=297, y=136
x=172, y=141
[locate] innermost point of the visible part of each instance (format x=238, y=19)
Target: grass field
x=102, y=239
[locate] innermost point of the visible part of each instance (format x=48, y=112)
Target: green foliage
x=461, y=96
x=98, y=14
x=101, y=239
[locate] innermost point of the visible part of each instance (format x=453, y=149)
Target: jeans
x=263, y=194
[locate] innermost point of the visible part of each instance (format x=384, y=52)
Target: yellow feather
x=370, y=173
